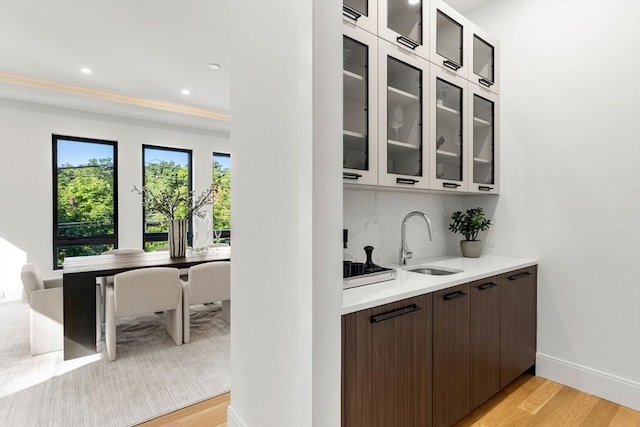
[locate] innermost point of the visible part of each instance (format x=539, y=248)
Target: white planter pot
x=471, y=248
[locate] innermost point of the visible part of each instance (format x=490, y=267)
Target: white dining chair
x=108, y=280
x=142, y=291
x=207, y=283
x=46, y=316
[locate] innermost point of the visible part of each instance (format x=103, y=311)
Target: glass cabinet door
x=448, y=135
x=484, y=141
x=448, y=48
x=405, y=23
x=402, y=128
x=359, y=157
x=361, y=13
x=484, y=54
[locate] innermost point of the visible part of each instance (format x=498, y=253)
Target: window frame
x=161, y=236
x=98, y=239
x=226, y=234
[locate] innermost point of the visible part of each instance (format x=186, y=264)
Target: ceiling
x=145, y=50
x=139, y=51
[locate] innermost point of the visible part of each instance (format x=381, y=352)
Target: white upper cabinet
x=485, y=52
x=403, y=109
x=448, y=121
x=483, y=161
x=361, y=13
x=360, y=102
x=448, y=39
x=405, y=23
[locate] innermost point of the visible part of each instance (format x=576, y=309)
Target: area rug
x=151, y=376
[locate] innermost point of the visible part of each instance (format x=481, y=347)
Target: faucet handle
x=409, y=255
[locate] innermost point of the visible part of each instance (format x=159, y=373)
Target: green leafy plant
x=470, y=223
x=170, y=198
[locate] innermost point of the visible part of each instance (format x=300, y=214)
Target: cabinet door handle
x=395, y=313
x=350, y=175
x=485, y=82
x=454, y=295
x=520, y=276
x=406, y=181
x=407, y=42
x=485, y=286
x=450, y=185
x=350, y=13
x=451, y=65
x=485, y=188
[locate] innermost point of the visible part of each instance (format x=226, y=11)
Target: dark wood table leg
x=79, y=315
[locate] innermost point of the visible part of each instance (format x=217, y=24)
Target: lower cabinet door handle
x=454, y=295
x=395, y=313
x=487, y=286
x=520, y=276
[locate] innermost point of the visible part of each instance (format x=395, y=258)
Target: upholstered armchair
x=142, y=291
x=206, y=283
x=108, y=280
x=46, y=310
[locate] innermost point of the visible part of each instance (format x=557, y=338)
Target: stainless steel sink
x=434, y=271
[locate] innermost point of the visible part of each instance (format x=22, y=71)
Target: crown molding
x=15, y=86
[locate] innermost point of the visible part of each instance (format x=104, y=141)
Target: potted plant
x=177, y=205
x=469, y=224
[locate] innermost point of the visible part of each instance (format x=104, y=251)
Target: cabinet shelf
x=447, y=117
x=354, y=140
x=479, y=161
x=400, y=147
x=480, y=123
x=399, y=97
x=448, y=157
x=353, y=86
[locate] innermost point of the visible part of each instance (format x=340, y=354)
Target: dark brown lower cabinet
x=518, y=298
x=485, y=340
x=386, y=365
x=431, y=359
x=451, y=350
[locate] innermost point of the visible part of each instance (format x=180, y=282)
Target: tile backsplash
x=375, y=218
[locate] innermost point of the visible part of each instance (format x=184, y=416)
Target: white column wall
x=571, y=182
x=287, y=214
x=26, y=176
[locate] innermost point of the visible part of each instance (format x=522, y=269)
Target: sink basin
x=434, y=271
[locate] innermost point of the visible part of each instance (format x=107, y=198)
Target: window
x=222, y=193
x=159, y=165
x=85, y=194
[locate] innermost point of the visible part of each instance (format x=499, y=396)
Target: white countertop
x=409, y=284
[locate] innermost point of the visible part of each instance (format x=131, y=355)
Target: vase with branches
x=173, y=201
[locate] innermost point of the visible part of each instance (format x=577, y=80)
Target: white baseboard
x=610, y=387
x=233, y=420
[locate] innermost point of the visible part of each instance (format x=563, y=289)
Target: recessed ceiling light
x=414, y=1
x=85, y=70
x=186, y=91
x=214, y=66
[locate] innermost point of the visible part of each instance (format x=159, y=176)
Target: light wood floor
x=528, y=401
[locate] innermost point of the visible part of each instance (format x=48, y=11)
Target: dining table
x=79, y=275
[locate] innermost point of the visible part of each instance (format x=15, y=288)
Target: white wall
x=287, y=214
x=375, y=218
x=26, y=176
x=571, y=184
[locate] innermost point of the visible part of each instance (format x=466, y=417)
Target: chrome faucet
x=405, y=254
